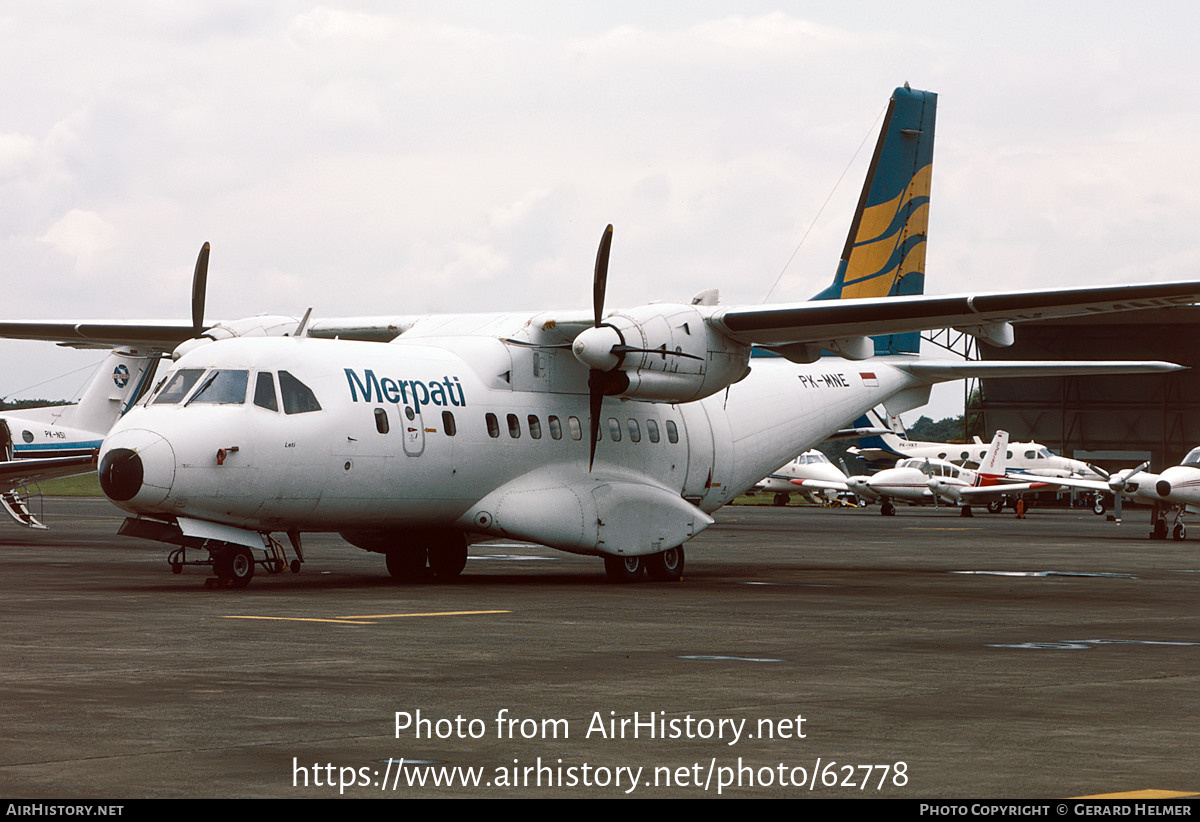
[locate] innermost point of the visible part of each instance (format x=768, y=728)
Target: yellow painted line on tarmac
x=361, y=619
x=335, y=620
x=429, y=614
x=1146, y=794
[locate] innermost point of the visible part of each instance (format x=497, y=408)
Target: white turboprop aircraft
x=1172, y=493
x=59, y=441
x=609, y=434
x=811, y=465
x=1023, y=457
x=935, y=481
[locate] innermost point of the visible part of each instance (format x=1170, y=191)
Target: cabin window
x=381, y=421
x=493, y=425
x=555, y=427
x=264, y=391
x=535, y=427
x=652, y=430
x=448, y=424
x=298, y=398
x=672, y=431
x=614, y=429
x=575, y=427
x=514, y=426
x=635, y=431
x=178, y=387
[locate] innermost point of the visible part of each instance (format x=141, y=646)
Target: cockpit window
x=264, y=391
x=298, y=398
x=1193, y=458
x=178, y=386
x=223, y=387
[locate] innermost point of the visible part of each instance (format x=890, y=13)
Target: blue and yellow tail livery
x=885, y=250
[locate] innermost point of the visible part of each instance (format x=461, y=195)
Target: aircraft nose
x=1163, y=488
x=137, y=468
x=121, y=474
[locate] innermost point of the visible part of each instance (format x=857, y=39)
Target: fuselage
x=317, y=435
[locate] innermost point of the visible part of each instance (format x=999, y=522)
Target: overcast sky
x=365, y=158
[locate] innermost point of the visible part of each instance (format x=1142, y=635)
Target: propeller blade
x=1098, y=470
x=595, y=399
x=600, y=279
x=199, y=287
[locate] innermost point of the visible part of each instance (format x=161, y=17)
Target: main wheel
x=781, y=499
x=667, y=566
x=447, y=559
x=234, y=565
x=995, y=506
x=1160, y=529
x=406, y=564
x=623, y=569
x=887, y=509
x=1178, y=532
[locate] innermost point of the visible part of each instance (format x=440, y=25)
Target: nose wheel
x=234, y=565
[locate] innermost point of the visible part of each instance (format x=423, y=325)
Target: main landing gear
x=1167, y=521
x=666, y=566
x=442, y=556
x=887, y=509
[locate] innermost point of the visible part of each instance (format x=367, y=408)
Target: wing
x=988, y=316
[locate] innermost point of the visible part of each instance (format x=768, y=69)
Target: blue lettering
x=365, y=389
x=372, y=389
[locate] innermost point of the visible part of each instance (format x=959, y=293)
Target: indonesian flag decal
x=869, y=379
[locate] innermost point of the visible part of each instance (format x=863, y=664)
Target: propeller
x=602, y=347
x=1119, y=482
x=596, y=376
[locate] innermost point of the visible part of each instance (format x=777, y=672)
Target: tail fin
x=885, y=250
x=995, y=461
x=118, y=382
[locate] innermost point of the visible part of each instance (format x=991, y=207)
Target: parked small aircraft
x=1172, y=493
x=929, y=480
x=812, y=464
x=59, y=441
x=884, y=449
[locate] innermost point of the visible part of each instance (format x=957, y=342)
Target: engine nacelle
x=662, y=353
x=265, y=325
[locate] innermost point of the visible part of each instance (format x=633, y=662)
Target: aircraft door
x=414, y=429
x=698, y=439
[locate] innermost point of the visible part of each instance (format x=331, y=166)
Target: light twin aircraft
x=1172, y=493
x=608, y=434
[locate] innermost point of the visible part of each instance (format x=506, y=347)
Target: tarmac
x=806, y=653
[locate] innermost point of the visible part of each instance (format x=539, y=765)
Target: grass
x=83, y=485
